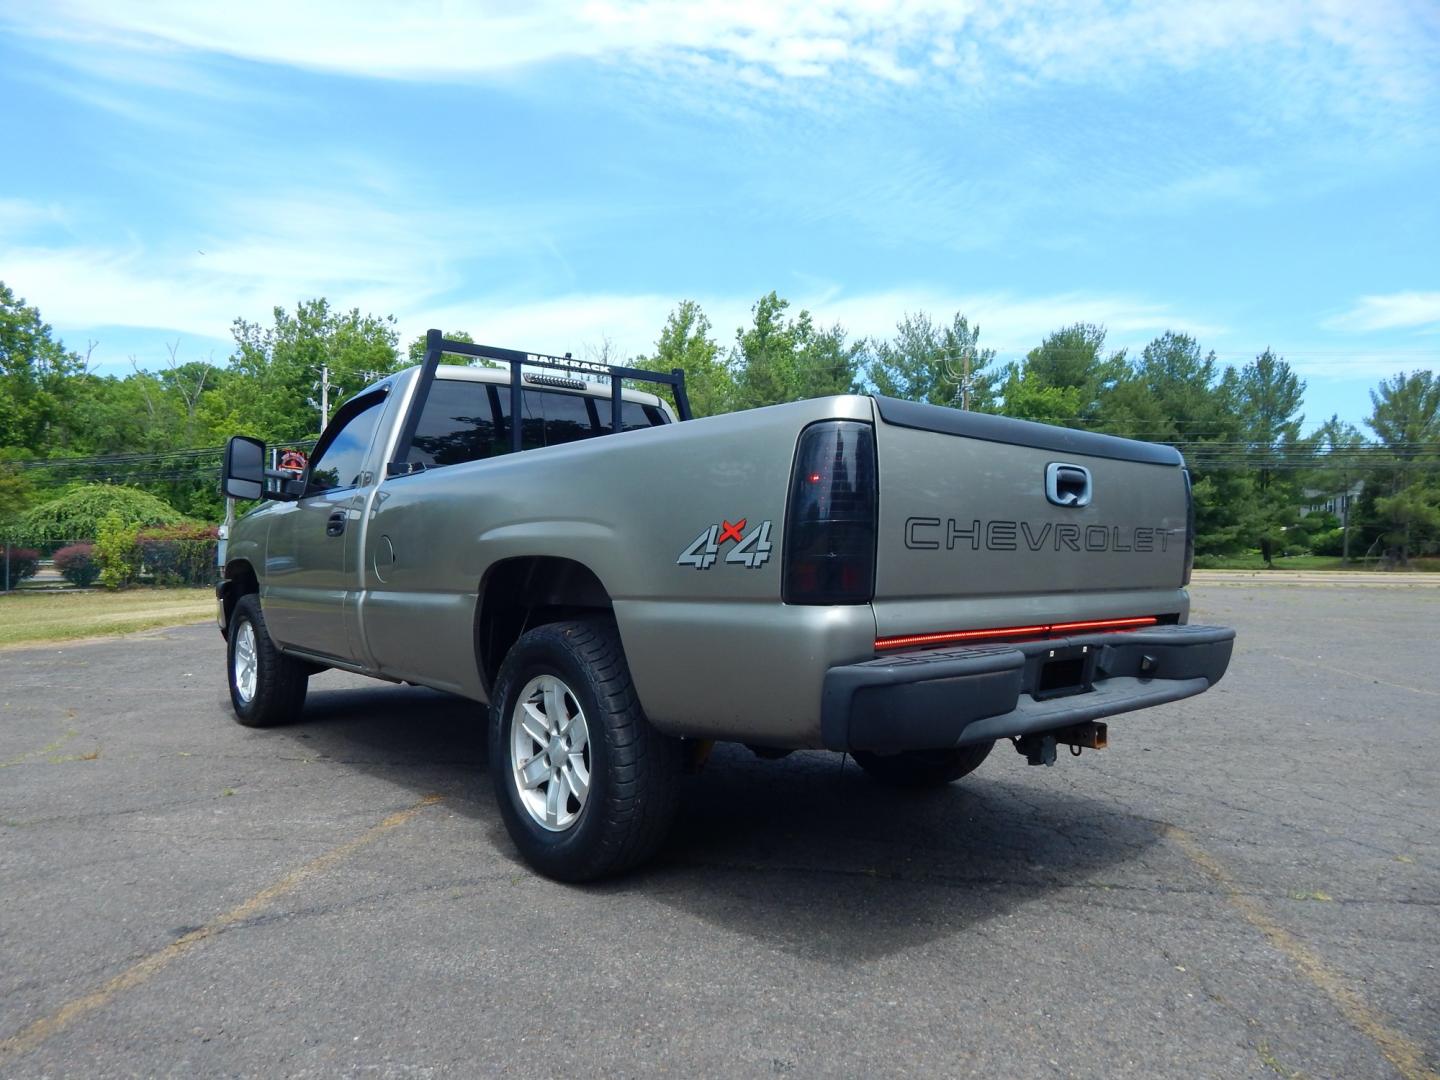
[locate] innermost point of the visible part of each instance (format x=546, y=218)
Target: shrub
x=80, y=510
x=180, y=554
x=23, y=564
x=118, y=551
x=1332, y=542
x=77, y=565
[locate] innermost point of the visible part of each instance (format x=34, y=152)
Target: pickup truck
x=621, y=586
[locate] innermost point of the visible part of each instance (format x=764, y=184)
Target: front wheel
x=586, y=787
x=266, y=686
x=923, y=768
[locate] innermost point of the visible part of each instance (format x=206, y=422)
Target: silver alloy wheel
x=550, y=753
x=246, y=661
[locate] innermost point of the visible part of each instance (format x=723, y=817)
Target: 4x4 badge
x=751, y=549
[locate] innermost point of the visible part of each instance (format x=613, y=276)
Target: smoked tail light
x=830, y=517
x=1189, y=528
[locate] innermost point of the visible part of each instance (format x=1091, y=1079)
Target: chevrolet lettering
x=932, y=534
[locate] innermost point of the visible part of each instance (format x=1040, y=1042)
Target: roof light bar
x=949, y=636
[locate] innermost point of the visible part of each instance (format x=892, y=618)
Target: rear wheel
x=923, y=768
x=266, y=686
x=586, y=786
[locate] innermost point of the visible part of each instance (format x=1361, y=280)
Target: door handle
x=335, y=523
x=1068, y=485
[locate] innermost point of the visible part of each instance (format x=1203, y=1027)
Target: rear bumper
x=957, y=697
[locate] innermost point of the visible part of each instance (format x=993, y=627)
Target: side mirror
x=243, y=474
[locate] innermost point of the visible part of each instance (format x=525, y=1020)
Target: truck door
x=311, y=561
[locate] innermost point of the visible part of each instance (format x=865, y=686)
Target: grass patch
x=1252, y=560
x=58, y=616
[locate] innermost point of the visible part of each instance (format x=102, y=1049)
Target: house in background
x=1321, y=501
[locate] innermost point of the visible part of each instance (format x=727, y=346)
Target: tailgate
x=989, y=522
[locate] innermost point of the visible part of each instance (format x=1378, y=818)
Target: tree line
x=1240, y=429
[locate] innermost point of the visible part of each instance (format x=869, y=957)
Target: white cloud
x=285, y=251
x=83, y=289
x=1384, y=47
x=21, y=217
x=1392, y=311
x=377, y=253
x=1228, y=183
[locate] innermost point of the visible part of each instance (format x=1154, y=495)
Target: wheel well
x=242, y=574
x=518, y=594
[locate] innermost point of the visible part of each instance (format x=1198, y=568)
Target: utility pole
x=949, y=374
x=325, y=385
x=1345, y=525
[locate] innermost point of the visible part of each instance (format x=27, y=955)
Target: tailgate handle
x=1067, y=485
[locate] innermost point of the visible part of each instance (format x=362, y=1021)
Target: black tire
x=278, y=693
x=634, y=771
x=923, y=768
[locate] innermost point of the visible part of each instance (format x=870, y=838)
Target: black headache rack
x=437, y=345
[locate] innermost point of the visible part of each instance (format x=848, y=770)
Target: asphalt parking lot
x=1245, y=884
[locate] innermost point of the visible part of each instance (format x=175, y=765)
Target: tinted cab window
x=458, y=424
x=467, y=421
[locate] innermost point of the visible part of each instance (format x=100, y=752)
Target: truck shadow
x=811, y=857
x=805, y=854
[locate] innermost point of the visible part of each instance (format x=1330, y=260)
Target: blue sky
x=556, y=176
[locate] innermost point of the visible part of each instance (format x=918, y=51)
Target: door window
x=339, y=457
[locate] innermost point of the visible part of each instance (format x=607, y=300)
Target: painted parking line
x=1399, y=1049
x=147, y=967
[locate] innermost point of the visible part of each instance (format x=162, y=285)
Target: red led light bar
x=947, y=636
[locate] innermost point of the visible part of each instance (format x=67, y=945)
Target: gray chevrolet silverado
x=905, y=583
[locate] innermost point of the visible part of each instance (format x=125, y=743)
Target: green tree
x=1177, y=394
x=77, y=513
x=157, y=409
x=1027, y=397
x=149, y=410
x=116, y=416
x=926, y=361
x=1405, y=416
x=117, y=550
x=1174, y=393
x=827, y=362
x=1268, y=396
x=765, y=355
x=16, y=491
x=686, y=343
x=36, y=375
x=1226, y=511
x=778, y=359
x=1339, y=442
x=1411, y=516
x=1066, y=380
x=272, y=392
x=416, y=352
